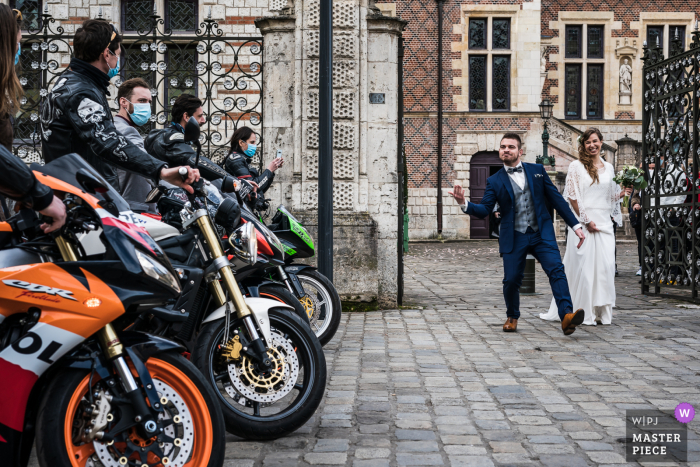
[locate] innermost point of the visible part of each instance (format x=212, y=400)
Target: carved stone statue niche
x=625, y=80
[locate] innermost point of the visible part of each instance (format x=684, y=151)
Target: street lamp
x=546, y=107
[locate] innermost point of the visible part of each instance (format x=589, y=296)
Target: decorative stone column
x=365, y=188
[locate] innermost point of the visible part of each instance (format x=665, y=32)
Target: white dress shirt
x=519, y=178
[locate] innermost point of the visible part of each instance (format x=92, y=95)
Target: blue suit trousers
x=547, y=253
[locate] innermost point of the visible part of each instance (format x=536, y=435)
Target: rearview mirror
x=192, y=130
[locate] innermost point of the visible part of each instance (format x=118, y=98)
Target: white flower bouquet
x=630, y=177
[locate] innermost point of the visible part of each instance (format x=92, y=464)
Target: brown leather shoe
x=571, y=320
x=511, y=325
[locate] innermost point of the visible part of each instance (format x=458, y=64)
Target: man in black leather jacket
x=169, y=144
x=76, y=118
x=17, y=182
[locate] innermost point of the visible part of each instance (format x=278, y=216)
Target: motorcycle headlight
x=156, y=270
x=244, y=242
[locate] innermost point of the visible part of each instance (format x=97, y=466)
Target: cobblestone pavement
x=439, y=383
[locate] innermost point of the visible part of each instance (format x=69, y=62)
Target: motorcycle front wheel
x=193, y=433
x=256, y=404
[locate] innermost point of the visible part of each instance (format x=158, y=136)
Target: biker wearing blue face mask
x=76, y=118
x=134, y=100
x=238, y=162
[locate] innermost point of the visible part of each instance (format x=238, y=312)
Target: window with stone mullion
x=573, y=42
x=477, y=82
x=31, y=13
x=501, y=33
x=594, y=91
x=477, y=33
x=181, y=15
x=594, y=44
x=572, y=91
x=500, y=82
x=655, y=36
x=136, y=15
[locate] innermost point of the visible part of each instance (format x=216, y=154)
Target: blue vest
x=523, y=207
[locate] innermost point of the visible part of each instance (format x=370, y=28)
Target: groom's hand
x=458, y=194
x=579, y=234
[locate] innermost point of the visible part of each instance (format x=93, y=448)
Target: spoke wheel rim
x=321, y=318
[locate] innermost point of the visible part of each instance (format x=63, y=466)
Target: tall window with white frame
x=489, y=60
x=583, y=66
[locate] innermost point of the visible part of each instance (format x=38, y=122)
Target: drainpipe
x=439, y=117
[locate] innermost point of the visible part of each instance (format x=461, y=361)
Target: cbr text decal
x=38, y=288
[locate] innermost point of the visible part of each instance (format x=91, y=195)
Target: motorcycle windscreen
x=122, y=236
x=66, y=168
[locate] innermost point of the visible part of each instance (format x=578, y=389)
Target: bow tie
x=515, y=169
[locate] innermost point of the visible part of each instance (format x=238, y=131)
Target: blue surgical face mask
x=19, y=51
x=250, y=152
x=113, y=71
x=141, y=114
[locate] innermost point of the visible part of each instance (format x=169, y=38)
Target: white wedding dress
x=590, y=270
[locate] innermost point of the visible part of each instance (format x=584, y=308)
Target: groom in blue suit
x=520, y=189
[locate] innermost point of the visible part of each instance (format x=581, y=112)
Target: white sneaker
x=639, y=271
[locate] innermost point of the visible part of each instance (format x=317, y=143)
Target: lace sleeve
x=573, y=190
x=616, y=193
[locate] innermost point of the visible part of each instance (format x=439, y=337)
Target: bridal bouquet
x=630, y=177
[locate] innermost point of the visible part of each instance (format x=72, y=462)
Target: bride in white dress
x=595, y=199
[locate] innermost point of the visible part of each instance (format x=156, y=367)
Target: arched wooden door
x=483, y=165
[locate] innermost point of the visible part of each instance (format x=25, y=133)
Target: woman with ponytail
x=10, y=88
x=595, y=199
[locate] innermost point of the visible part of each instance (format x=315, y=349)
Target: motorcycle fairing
x=63, y=324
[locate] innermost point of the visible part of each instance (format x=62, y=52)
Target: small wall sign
x=376, y=98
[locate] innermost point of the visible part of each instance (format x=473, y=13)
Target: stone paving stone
x=326, y=458
x=332, y=445
x=470, y=461
x=419, y=459
x=603, y=457
x=414, y=435
x=239, y=463
x=371, y=463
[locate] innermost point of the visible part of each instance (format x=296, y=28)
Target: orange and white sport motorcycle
x=91, y=394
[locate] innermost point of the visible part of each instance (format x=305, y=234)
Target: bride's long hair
x=583, y=156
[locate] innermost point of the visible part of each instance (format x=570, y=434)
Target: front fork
x=229, y=281
x=292, y=283
x=114, y=350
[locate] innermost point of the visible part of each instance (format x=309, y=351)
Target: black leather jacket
x=19, y=183
x=76, y=118
x=169, y=146
x=238, y=165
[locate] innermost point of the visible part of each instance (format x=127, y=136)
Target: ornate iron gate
x=225, y=72
x=670, y=150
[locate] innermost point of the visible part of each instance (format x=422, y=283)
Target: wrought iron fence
x=225, y=72
x=670, y=151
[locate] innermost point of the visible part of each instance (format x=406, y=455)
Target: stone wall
x=365, y=193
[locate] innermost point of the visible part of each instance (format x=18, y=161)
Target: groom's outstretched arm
x=558, y=202
x=481, y=210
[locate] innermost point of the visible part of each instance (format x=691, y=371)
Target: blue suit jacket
x=499, y=190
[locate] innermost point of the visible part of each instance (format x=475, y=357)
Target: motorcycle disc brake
x=309, y=306
x=249, y=381
x=175, y=443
